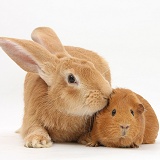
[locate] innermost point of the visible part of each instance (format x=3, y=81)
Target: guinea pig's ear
x=48, y=38
x=30, y=56
x=140, y=108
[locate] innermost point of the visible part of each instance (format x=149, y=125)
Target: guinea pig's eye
x=71, y=79
x=132, y=112
x=113, y=112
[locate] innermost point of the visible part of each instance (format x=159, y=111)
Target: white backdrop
x=125, y=32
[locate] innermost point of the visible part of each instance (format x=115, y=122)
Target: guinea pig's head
x=122, y=120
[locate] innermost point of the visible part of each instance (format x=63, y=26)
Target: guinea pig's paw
x=133, y=145
x=92, y=144
x=37, y=141
x=85, y=139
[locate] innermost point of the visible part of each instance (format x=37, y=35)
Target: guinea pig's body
x=127, y=121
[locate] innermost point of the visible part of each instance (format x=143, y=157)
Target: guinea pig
x=127, y=121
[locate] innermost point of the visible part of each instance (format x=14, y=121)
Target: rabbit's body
x=65, y=86
x=60, y=126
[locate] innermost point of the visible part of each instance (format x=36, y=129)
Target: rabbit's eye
x=114, y=112
x=132, y=112
x=71, y=79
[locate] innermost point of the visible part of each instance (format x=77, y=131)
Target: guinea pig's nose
x=125, y=126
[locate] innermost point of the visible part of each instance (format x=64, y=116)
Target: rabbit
x=63, y=88
x=127, y=121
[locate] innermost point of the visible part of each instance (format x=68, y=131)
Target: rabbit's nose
x=106, y=90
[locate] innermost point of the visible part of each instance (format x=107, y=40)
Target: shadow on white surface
x=13, y=148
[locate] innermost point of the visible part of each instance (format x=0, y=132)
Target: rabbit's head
x=75, y=86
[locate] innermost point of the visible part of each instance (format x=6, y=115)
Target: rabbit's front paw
x=37, y=141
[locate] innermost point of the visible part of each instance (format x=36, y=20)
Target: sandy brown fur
x=53, y=120
x=55, y=109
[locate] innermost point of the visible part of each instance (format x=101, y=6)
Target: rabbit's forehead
x=76, y=65
x=77, y=62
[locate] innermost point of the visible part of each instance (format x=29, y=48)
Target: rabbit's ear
x=48, y=38
x=30, y=56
